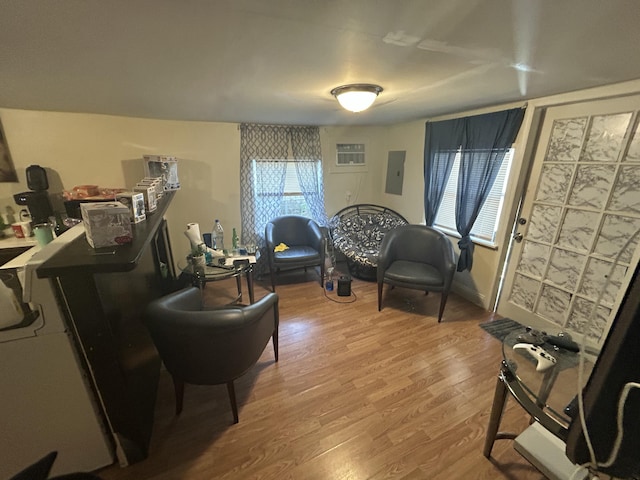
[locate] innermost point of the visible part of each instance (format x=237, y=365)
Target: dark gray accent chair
x=210, y=346
x=306, y=244
x=417, y=257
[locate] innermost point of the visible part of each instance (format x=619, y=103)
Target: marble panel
x=605, y=137
x=578, y=229
x=591, y=186
x=554, y=183
x=533, y=259
x=565, y=268
x=616, y=231
x=544, y=223
x=580, y=319
x=595, y=277
x=566, y=139
x=633, y=153
x=553, y=304
x=626, y=192
x=524, y=292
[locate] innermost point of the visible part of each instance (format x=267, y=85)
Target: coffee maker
x=37, y=200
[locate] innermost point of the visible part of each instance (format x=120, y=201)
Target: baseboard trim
x=470, y=294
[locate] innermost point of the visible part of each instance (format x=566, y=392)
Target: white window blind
x=486, y=225
x=291, y=184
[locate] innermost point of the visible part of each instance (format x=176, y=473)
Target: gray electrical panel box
x=395, y=172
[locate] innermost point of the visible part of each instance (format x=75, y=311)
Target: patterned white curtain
x=259, y=205
x=305, y=145
x=264, y=150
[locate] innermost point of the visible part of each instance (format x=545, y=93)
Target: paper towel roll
x=193, y=234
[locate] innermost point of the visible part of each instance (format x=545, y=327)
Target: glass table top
x=553, y=389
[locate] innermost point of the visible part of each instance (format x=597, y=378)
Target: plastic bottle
x=234, y=240
x=217, y=236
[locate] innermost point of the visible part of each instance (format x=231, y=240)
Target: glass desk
x=222, y=268
x=543, y=395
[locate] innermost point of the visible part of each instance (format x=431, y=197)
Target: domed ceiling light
x=356, y=97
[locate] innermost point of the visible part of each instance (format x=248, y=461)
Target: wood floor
x=357, y=394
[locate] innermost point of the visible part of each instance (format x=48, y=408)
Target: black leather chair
x=417, y=257
x=210, y=346
x=306, y=244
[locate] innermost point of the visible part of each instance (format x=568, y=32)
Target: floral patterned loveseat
x=357, y=232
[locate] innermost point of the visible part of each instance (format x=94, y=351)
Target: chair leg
x=274, y=338
x=443, y=302
x=322, y=275
x=232, y=399
x=379, y=296
x=178, y=387
x=273, y=280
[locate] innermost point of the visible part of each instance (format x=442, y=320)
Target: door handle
x=518, y=237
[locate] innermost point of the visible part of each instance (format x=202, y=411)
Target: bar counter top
x=80, y=256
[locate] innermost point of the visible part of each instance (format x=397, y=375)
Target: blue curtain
x=442, y=141
x=487, y=139
x=305, y=146
x=483, y=141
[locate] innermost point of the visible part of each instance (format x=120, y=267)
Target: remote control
x=531, y=336
x=563, y=341
x=545, y=360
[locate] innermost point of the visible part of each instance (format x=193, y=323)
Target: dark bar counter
x=103, y=293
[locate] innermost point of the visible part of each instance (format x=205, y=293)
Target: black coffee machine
x=37, y=200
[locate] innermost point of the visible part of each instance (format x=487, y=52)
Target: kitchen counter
x=13, y=242
x=11, y=247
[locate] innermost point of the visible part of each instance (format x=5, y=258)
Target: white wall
x=107, y=151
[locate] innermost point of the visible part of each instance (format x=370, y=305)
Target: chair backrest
x=293, y=230
x=364, y=225
x=212, y=346
x=417, y=243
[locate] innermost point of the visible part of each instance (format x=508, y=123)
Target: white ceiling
x=275, y=61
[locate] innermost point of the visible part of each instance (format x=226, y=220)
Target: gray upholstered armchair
x=210, y=346
x=305, y=240
x=417, y=257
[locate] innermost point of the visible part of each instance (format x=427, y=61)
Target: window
x=267, y=185
x=294, y=202
x=486, y=225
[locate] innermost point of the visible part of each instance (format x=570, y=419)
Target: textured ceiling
x=275, y=61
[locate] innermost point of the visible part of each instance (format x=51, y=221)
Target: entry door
x=576, y=241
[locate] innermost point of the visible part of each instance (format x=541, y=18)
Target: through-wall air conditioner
x=350, y=154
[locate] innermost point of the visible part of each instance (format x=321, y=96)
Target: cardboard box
x=135, y=202
x=164, y=167
x=106, y=224
x=150, y=199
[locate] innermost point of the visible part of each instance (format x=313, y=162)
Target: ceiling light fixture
x=356, y=97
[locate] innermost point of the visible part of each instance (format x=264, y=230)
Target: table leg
x=497, y=408
x=239, y=284
x=249, y=275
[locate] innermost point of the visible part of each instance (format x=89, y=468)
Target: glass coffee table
x=222, y=268
x=543, y=394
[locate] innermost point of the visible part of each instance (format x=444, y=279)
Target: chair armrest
x=316, y=237
x=188, y=299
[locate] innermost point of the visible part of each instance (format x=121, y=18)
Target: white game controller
x=545, y=361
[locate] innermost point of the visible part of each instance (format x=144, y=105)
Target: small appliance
x=36, y=200
x=344, y=286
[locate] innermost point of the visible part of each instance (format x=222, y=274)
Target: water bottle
x=234, y=240
x=217, y=236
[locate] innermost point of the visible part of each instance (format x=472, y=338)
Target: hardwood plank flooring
x=357, y=394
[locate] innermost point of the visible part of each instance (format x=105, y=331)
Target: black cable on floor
x=339, y=301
